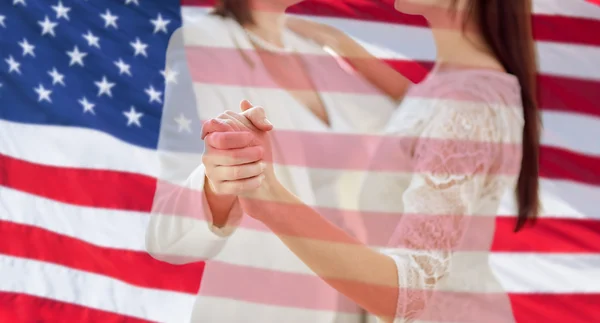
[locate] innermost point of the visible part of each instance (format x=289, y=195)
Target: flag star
x=87, y=105
x=57, y=77
x=13, y=66
x=124, y=68
x=47, y=26
x=27, y=48
x=92, y=40
x=61, y=11
x=133, y=117
x=76, y=57
x=43, y=93
x=160, y=24
x=153, y=94
x=132, y=1
x=169, y=75
x=16, y=2
x=109, y=19
x=104, y=87
x=183, y=123
x=2, y=18
x=139, y=48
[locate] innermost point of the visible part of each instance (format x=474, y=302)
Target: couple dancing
x=267, y=204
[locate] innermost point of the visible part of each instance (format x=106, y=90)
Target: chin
x=420, y=7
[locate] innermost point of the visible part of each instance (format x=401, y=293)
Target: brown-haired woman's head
x=505, y=26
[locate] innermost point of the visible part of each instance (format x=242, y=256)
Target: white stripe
x=92, y=290
x=78, y=147
x=571, y=131
x=543, y=273
x=394, y=41
x=102, y=227
x=230, y=309
x=74, y=147
x=572, y=8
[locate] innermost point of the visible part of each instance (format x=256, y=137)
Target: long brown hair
x=237, y=9
x=506, y=27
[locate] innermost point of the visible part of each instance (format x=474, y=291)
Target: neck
x=268, y=24
x=461, y=46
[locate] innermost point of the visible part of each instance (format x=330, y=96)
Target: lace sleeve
x=454, y=161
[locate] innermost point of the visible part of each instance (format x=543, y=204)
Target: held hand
x=237, y=153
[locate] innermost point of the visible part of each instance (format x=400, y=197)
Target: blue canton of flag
x=97, y=64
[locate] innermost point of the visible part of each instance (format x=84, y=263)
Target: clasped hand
x=238, y=155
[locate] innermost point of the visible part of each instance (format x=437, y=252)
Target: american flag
x=80, y=115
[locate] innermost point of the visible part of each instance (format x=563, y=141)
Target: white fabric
x=179, y=239
x=478, y=116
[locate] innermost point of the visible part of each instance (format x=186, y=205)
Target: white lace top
x=451, y=151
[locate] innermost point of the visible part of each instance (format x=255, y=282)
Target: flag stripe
x=558, y=277
x=21, y=307
x=67, y=285
x=75, y=147
x=579, y=98
x=575, y=308
x=133, y=267
x=551, y=235
x=88, y=187
x=544, y=24
x=571, y=307
x=403, y=42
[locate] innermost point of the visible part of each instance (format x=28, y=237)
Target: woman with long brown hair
x=460, y=140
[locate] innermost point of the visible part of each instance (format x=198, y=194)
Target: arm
x=438, y=209
x=188, y=223
x=377, y=72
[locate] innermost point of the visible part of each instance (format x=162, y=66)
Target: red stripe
x=273, y=288
x=89, y=187
x=554, y=28
x=225, y=66
x=129, y=191
x=557, y=93
x=136, y=268
x=550, y=235
x=23, y=308
x=556, y=308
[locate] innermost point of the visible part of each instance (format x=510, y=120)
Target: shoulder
x=473, y=106
x=473, y=86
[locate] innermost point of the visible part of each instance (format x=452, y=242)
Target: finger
x=258, y=117
x=241, y=186
x=214, y=125
x=238, y=172
x=229, y=140
x=245, y=105
x=241, y=119
x=231, y=157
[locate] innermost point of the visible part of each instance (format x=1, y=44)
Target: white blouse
x=455, y=147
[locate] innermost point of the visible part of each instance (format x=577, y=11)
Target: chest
x=293, y=74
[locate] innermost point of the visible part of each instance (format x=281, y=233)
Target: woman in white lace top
x=460, y=140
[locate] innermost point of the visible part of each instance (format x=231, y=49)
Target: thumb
x=258, y=117
x=245, y=105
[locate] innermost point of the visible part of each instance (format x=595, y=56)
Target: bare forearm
x=357, y=271
x=220, y=205
x=376, y=71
